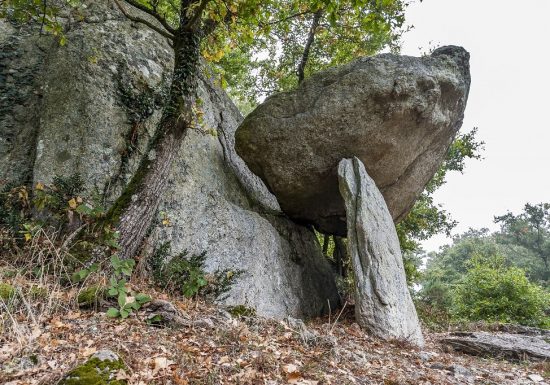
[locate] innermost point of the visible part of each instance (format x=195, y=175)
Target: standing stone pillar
x=383, y=305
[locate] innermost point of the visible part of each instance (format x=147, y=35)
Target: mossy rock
x=37, y=292
x=91, y=296
x=101, y=369
x=7, y=291
x=241, y=311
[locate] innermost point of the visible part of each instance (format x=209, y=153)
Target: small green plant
x=7, y=291
x=82, y=274
x=186, y=275
x=118, y=287
x=91, y=296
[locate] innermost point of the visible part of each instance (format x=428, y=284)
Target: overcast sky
x=509, y=102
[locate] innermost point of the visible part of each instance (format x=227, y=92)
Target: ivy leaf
x=143, y=298
x=121, y=299
x=113, y=313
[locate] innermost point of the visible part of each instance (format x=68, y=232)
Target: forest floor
x=213, y=347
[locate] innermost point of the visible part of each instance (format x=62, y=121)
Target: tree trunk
x=307, y=48
x=340, y=255
x=326, y=240
x=135, y=209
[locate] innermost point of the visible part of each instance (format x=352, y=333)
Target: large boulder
x=91, y=107
x=397, y=114
x=383, y=304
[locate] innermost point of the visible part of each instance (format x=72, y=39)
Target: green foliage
x=24, y=212
x=439, y=301
x=491, y=291
x=186, y=275
x=527, y=237
x=7, y=292
x=412, y=260
x=263, y=52
x=427, y=219
x=82, y=274
x=90, y=296
x=118, y=288
x=42, y=11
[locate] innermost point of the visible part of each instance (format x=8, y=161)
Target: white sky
x=509, y=102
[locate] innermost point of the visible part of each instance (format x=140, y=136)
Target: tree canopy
x=258, y=47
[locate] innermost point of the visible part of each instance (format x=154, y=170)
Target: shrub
x=491, y=291
x=7, y=291
x=186, y=275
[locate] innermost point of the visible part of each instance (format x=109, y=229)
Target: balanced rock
x=397, y=114
x=383, y=304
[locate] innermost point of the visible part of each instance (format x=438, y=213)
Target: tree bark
x=326, y=240
x=340, y=255
x=135, y=209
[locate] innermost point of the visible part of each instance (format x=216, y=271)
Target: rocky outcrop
x=383, y=304
x=397, y=114
x=516, y=347
x=91, y=107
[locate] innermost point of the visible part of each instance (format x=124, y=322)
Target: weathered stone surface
x=383, y=304
x=100, y=100
x=501, y=345
x=398, y=114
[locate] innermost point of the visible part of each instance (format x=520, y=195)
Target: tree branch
x=198, y=14
x=307, y=48
x=286, y=18
x=161, y=31
x=153, y=13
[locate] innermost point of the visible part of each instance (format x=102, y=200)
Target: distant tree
x=527, y=237
x=491, y=290
x=445, y=268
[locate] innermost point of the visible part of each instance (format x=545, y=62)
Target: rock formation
x=516, y=347
x=383, y=305
x=91, y=107
x=398, y=114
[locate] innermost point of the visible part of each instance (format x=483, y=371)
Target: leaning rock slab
x=398, y=114
x=383, y=305
x=516, y=347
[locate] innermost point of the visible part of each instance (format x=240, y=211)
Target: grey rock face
x=516, y=347
x=100, y=99
x=383, y=305
x=398, y=114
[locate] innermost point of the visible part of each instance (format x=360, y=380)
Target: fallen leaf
x=160, y=363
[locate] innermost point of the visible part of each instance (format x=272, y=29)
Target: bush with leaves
x=186, y=274
x=492, y=291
